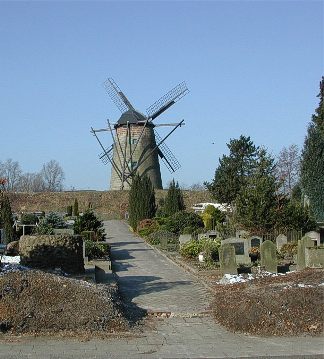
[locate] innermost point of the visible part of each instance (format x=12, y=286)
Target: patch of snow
x=301, y=285
x=8, y=259
x=241, y=278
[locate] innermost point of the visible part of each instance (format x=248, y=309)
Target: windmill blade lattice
x=166, y=155
x=117, y=96
x=107, y=156
x=166, y=101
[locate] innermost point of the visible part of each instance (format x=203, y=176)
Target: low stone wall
x=52, y=251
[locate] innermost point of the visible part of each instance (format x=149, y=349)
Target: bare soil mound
x=291, y=304
x=37, y=302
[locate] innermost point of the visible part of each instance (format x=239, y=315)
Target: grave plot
x=285, y=305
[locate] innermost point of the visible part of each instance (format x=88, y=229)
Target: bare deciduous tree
x=31, y=182
x=288, y=168
x=11, y=171
x=53, y=176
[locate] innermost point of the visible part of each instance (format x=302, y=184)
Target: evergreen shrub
x=209, y=247
x=180, y=220
x=96, y=250
x=147, y=226
x=160, y=236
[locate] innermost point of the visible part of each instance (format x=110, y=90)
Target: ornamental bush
x=96, y=250
x=160, y=236
x=209, y=247
x=89, y=222
x=180, y=220
x=147, y=226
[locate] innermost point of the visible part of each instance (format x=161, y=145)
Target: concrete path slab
x=152, y=282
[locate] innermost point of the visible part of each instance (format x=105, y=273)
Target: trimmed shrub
x=96, y=249
x=209, y=247
x=28, y=218
x=69, y=210
x=147, y=226
x=89, y=222
x=191, y=249
x=48, y=223
x=180, y=220
x=161, y=236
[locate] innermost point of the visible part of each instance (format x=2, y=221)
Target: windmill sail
x=166, y=155
x=107, y=156
x=117, y=96
x=166, y=101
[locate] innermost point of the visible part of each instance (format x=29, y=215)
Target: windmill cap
x=130, y=117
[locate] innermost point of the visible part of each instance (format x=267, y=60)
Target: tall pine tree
x=257, y=201
x=312, y=164
x=141, y=200
x=174, y=200
x=233, y=170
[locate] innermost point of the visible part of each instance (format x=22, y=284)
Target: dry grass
x=37, y=302
x=285, y=305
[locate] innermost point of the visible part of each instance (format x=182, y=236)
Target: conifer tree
x=6, y=218
x=312, y=164
x=233, y=170
x=141, y=200
x=174, y=200
x=75, y=208
x=256, y=202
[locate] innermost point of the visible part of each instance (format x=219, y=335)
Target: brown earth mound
x=38, y=302
x=292, y=304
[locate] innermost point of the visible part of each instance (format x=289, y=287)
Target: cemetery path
x=152, y=282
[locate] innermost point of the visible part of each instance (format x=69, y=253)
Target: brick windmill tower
x=136, y=146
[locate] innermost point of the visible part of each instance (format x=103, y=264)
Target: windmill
x=135, y=144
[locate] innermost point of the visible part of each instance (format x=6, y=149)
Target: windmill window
x=134, y=141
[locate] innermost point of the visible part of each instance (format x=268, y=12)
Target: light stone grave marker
x=241, y=247
x=227, y=259
x=269, y=256
x=280, y=241
x=303, y=243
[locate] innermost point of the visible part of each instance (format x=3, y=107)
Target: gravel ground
x=291, y=304
x=38, y=302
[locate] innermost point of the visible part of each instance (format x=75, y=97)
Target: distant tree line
x=49, y=178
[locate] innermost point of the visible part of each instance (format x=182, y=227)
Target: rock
x=13, y=248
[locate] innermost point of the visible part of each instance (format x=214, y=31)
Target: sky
x=252, y=68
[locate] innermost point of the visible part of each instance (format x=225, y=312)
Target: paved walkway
x=152, y=282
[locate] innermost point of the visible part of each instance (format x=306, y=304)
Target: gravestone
x=269, y=256
x=314, y=257
x=241, y=247
x=303, y=243
x=184, y=238
x=314, y=236
x=255, y=241
x=280, y=241
x=227, y=259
